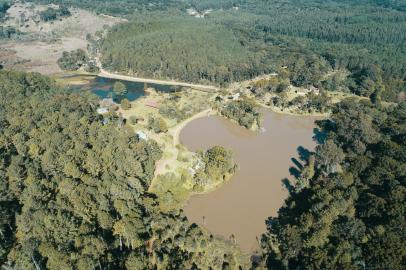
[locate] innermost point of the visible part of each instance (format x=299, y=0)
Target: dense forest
x=74, y=190
x=351, y=46
x=176, y=47
x=347, y=209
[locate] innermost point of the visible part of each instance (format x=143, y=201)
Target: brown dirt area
x=43, y=42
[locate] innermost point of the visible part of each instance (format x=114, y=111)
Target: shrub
x=119, y=88
x=125, y=104
x=133, y=119
x=158, y=125
x=92, y=67
x=51, y=14
x=73, y=60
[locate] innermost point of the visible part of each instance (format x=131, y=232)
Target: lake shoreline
x=240, y=207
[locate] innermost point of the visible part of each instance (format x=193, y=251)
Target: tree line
x=51, y=14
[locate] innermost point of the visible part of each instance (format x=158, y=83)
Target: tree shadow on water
x=298, y=164
x=319, y=136
x=295, y=172
x=297, y=168
x=288, y=185
x=304, y=154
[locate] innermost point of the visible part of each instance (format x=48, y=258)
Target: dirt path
x=178, y=128
x=105, y=74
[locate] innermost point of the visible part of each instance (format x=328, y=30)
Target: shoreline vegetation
x=81, y=78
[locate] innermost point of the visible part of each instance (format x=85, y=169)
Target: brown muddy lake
x=241, y=206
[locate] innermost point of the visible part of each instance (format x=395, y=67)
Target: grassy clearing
x=73, y=78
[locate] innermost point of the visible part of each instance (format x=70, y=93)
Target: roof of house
x=152, y=103
x=141, y=135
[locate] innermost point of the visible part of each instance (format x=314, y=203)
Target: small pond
x=103, y=88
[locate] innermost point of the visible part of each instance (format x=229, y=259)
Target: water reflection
x=103, y=88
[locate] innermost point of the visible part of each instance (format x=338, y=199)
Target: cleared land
x=42, y=43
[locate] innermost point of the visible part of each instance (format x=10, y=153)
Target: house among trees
x=314, y=90
x=305, y=91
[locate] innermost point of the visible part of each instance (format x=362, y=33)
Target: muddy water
x=256, y=191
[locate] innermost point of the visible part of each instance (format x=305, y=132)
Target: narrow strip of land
x=105, y=74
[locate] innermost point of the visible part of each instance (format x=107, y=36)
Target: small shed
x=152, y=104
x=302, y=92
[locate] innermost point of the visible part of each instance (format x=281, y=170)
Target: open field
x=42, y=43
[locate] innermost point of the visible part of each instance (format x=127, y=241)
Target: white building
x=142, y=135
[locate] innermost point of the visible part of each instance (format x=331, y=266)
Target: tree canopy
x=352, y=46
x=74, y=189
